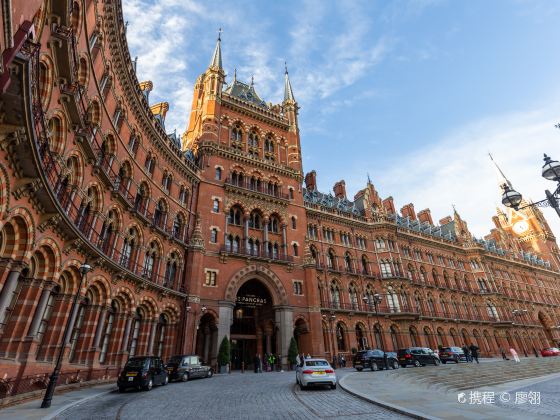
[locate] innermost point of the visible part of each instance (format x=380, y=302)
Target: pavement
x=400, y=392
x=272, y=395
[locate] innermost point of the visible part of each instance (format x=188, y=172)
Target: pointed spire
x=234, y=75
x=288, y=93
x=502, y=179
x=217, y=56
x=368, y=179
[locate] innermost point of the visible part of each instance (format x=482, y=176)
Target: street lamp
x=47, y=399
x=551, y=172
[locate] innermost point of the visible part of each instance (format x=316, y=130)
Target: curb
x=393, y=407
x=72, y=404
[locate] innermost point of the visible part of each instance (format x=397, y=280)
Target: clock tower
x=525, y=229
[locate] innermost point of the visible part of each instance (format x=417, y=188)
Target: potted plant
x=292, y=353
x=224, y=355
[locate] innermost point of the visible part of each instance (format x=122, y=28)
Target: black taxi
x=142, y=372
x=187, y=366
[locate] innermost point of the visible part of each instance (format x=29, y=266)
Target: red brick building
x=218, y=233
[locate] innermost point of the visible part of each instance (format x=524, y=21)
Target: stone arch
x=46, y=80
x=102, y=291
x=150, y=306
x=547, y=325
x=17, y=235
x=259, y=272
x=126, y=299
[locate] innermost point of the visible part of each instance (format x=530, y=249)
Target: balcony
x=242, y=252
x=260, y=188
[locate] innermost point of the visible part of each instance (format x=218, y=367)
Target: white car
x=315, y=372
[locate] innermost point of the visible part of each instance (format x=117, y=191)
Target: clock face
x=520, y=227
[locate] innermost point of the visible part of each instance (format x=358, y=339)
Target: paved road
x=548, y=403
x=236, y=396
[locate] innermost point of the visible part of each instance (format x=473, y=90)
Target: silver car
x=315, y=372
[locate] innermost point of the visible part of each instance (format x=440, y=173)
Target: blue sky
x=413, y=92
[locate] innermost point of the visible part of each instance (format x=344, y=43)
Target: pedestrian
x=308, y=356
x=257, y=362
x=334, y=362
x=503, y=353
x=467, y=353
x=536, y=352
x=514, y=355
x=343, y=361
x=298, y=360
x=474, y=352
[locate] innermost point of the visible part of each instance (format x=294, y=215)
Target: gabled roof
x=245, y=92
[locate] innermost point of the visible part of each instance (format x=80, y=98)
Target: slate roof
x=245, y=92
x=330, y=201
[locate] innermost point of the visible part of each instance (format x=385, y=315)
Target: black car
x=185, y=367
x=417, y=356
x=142, y=372
x=374, y=360
x=452, y=354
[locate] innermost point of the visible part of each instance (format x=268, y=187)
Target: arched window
x=353, y=297
x=295, y=247
x=150, y=262
x=414, y=337
x=178, y=224
x=234, y=217
x=108, y=328
x=141, y=200
x=340, y=339
x=348, y=263
x=160, y=214
x=386, y=270
x=331, y=260
x=273, y=224
x=129, y=246
x=269, y=153
x=394, y=338
x=237, y=137
x=417, y=303
x=492, y=312
x=161, y=330
x=171, y=271
x=108, y=234
x=393, y=300
x=218, y=174
x=183, y=195
x=422, y=274
x=214, y=235
x=378, y=337
x=365, y=269
x=255, y=220
x=135, y=333
x=335, y=295
x=216, y=205
x=431, y=306
x=133, y=144
x=45, y=318
x=76, y=330
x=294, y=220
x=253, y=144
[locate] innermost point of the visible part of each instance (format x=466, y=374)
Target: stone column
x=226, y=229
x=225, y=314
x=39, y=311
x=284, y=240
x=265, y=235
x=246, y=232
x=284, y=319
x=152, y=338
x=7, y=292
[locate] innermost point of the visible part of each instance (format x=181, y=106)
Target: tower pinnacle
x=217, y=56
x=288, y=93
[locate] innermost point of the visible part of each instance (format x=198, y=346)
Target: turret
x=290, y=108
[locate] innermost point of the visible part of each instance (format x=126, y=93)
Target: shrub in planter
x=293, y=352
x=224, y=356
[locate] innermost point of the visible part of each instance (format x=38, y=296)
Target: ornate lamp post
x=84, y=269
x=550, y=171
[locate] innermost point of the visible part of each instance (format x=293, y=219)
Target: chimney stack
x=340, y=189
x=311, y=181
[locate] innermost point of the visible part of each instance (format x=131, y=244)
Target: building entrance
x=253, y=330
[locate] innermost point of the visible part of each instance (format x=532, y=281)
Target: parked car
x=374, y=360
x=550, y=352
x=185, y=367
x=452, y=354
x=417, y=356
x=142, y=372
x=315, y=372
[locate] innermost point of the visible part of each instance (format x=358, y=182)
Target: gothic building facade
x=217, y=233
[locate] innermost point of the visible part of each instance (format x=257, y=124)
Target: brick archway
x=259, y=272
